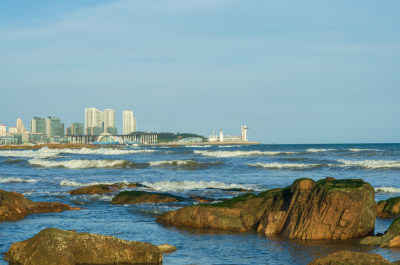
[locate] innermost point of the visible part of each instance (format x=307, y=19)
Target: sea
x=211, y=171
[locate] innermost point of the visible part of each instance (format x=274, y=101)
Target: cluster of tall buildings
x=51, y=129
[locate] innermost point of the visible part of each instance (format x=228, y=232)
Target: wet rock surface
x=346, y=257
x=132, y=197
x=327, y=209
x=389, y=208
x=391, y=238
x=55, y=246
x=96, y=189
x=14, y=206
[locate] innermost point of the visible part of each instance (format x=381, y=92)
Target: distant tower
x=244, y=133
x=221, y=136
x=128, y=122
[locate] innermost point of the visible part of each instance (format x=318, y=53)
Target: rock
x=131, y=197
x=351, y=258
x=390, y=239
x=389, y=208
x=201, y=199
x=14, y=206
x=166, y=248
x=327, y=209
x=60, y=247
x=96, y=189
x=136, y=185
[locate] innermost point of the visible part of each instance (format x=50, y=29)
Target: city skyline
x=309, y=72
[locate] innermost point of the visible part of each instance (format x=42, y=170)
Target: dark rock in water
x=390, y=239
x=327, y=209
x=230, y=189
x=389, y=208
x=136, y=185
x=132, y=197
x=347, y=257
x=96, y=189
x=60, y=247
x=14, y=206
x=202, y=199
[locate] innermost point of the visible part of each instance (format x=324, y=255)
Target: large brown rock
x=96, y=189
x=14, y=206
x=391, y=238
x=347, y=257
x=327, y=209
x=389, y=207
x=60, y=247
x=132, y=197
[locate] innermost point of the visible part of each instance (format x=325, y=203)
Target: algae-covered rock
x=327, y=209
x=60, y=247
x=389, y=208
x=166, y=248
x=14, y=206
x=391, y=238
x=132, y=197
x=346, y=257
x=96, y=189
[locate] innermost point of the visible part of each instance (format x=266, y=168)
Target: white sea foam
x=40, y=153
x=71, y=183
x=286, y=165
x=171, y=163
x=80, y=163
x=194, y=185
x=363, y=150
x=370, y=164
x=240, y=153
x=197, y=146
x=17, y=180
x=387, y=189
x=317, y=150
x=104, y=151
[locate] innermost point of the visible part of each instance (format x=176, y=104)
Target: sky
x=293, y=71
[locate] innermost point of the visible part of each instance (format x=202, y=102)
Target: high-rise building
x=93, y=118
x=3, y=129
x=54, y=127
x=109, y=119
x=21, y=127
x=12, y=131
x=38, y=125
x=128, y=122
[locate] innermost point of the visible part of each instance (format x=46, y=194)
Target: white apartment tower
x=3, y=129
x=93, y=118
x=128, y=122
x=109, y=118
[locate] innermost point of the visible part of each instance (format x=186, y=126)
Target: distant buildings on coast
x=99, y=128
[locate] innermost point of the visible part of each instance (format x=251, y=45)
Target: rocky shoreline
x=325, y=209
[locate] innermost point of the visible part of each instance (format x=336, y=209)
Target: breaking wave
x=70, y=183
x=387, y=189
x=363, y=150
x=187, y=164
x=195, y=185
x=287, y=165
x=40, y=153
x=318, y=150
x=104, y=151
x=17, y=180
x=371, y=164
x=83, y=164
x=240, y=153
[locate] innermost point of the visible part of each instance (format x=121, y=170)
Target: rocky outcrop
x=389, y=208
x=132, y=197
x=391, y=238
x=14, y=206
x=55, y=246
x=96, y=189
x=327, y=209
x=351, y=258
x=164, y=248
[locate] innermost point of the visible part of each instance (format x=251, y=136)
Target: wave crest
x=286, y=165
x=240, y=153
x=71, y=183
x=188, y=164
x=84, y=164
x=195, y=185
x=387, y=189
x=370, y=164
x=17, y=180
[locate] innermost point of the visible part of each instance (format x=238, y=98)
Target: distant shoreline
x=94, y=146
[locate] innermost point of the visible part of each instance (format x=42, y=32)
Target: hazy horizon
x=293, y=72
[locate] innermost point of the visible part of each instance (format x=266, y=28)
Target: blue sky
x=293, y=71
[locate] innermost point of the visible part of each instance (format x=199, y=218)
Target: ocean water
x=210, y=171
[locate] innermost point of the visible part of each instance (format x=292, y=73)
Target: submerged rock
x=351, y=258
x=327, y=209
x=14, y=206
x=96, y=189
x=166, y=248
x=389, y=208
x=132, y=197
x=55, y=246
x=391, y=238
